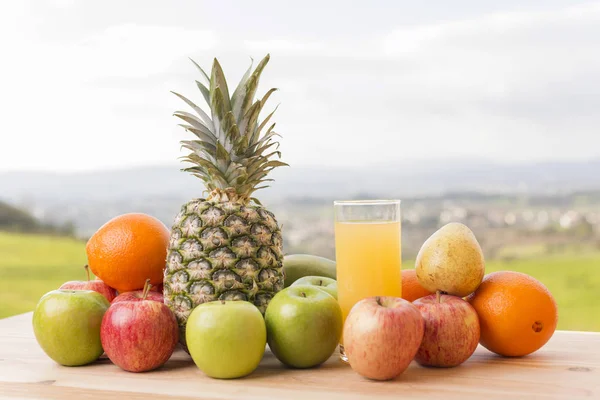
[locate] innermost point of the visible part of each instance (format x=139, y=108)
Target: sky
x=85, y=85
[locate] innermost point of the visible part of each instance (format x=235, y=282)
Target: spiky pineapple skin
x=222, y=251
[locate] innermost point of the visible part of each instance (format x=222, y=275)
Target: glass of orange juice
x=368, y=251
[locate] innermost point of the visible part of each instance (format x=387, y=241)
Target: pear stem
x=87, y=270
x=147, y=287
x=438, y=296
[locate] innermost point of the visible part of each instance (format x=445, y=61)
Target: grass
x=32, y=265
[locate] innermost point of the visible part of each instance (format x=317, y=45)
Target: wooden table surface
x=568, y=367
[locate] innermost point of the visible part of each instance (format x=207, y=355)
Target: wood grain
x=568, y=367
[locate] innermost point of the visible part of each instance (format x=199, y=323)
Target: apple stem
x=302, y=294
x=147, y=287
x=438, y=296
x=87, y=270
x=321, y=282
x=378, y=300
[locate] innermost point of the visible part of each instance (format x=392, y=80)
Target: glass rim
x=365, y=202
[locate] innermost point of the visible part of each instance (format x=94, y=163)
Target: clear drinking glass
x=368, y=251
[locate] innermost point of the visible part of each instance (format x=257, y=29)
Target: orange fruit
x=517, y=313
x=411, y=288
x=127, y=250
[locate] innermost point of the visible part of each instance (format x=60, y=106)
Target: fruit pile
x=217, y=282
x=449, y=307
x=138, y=332
x=120, y=313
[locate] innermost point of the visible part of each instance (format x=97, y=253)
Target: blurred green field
x=32, y=265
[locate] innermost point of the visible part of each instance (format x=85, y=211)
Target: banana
x=295, y=266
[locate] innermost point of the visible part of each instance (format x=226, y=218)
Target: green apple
x=66, y=324
x=304, y=325
x=327, y=284
x=226, y=339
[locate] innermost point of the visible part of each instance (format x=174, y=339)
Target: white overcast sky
x=85, y=84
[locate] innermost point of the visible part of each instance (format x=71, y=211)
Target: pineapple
x=226, y=246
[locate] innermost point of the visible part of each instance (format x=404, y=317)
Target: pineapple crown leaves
x=234, y=150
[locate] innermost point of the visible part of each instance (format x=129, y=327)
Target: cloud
x=470, y=31
x=62, y=3
x=284, y=46
x=56, y=98
x=540, y=66
x=132, y=50
x=509, y=85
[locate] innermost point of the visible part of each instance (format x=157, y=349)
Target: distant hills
x=86, y=200
x=400, y=180
x=13, y=219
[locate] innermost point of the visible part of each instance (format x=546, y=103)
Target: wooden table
x=568, y=367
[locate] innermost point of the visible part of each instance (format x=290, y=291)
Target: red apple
x=157, y=288
x=139, y=334
x=96, y=285
x=451, y=330
x=382, y=336
x=136, y=295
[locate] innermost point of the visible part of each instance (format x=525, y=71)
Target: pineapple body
x=222, y=251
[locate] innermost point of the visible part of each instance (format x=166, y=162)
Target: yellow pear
x=451, y=261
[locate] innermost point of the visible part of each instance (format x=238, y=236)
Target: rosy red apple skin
x=137, y=295
x=139, y=335
x=451, y=331
x=382, y=336
x=95, y=285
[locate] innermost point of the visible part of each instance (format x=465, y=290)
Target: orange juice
x=368, y=256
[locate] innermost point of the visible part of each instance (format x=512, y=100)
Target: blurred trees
x=13, y=219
